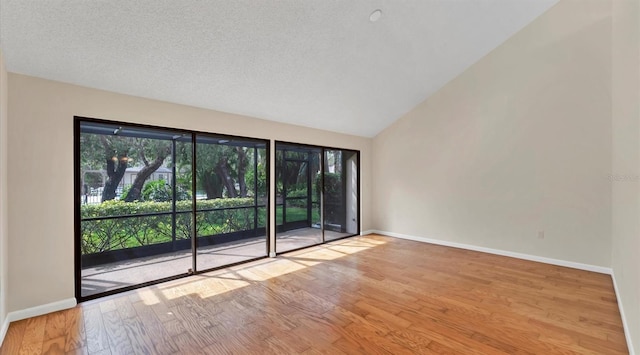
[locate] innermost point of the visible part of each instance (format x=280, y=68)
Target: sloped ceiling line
x=317, y=63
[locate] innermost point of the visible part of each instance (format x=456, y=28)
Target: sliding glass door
x=152, y=205
x=317, y=195
x=130, y=211
x=340, y=193
x=231, y=200
x=298, y=182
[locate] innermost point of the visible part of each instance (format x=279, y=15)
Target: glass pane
x=297, y=203
x=340, y=194
x=128, y=234
x=183, y=188
x=230, y=201
x=296, y=209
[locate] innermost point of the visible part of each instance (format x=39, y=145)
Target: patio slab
x=107, y=277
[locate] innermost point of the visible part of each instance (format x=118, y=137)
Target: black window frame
x=77, y=120
x=322, y=149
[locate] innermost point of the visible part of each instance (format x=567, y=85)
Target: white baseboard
x=541, y=259
x=34, y=312
x=42, y=309
x=571, y=264
x=3, y=330
x=71, y=302
x=625, y=325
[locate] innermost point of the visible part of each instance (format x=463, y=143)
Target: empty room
x=309, y=177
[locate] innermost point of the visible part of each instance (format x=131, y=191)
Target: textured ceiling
x=315, y=63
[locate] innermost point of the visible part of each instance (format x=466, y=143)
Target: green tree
x=152, y=153
x=262, y=172
x=114, y=154
x=110, y=153
x=220, y=167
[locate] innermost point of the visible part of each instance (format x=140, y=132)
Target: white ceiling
x=316, y=63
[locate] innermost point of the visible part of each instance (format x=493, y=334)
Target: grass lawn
x=295, y=214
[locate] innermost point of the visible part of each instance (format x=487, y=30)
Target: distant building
x=163, y=173
x=95, y=179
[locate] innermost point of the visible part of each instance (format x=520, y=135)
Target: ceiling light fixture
x=375, y=15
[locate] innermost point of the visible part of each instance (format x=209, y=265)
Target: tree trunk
x=222, y=169
x=136, y=188
x=114, y=176
x=242, y=168
x=212, y=186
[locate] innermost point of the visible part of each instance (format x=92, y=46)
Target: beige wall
x=4, y=254
x=534, y=137
x=518, y=144
x=41, y=171
x=626, y=160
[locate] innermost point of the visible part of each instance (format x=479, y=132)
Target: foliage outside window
x=128, y=189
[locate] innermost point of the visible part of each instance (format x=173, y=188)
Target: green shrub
x=302, y=192
x=161, y=191
x=158, y=191
x=125, y=192
x=134, y=229
x=121, y=208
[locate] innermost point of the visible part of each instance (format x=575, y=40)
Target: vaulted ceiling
x=316, y=63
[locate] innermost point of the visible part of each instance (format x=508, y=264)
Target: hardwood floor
x=367, y=295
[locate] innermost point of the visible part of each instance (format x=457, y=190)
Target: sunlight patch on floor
x=229, y=279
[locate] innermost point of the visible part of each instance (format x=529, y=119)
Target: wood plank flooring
x=362, y=295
